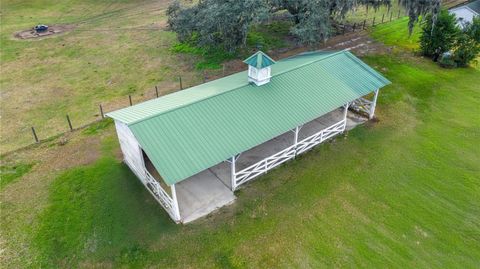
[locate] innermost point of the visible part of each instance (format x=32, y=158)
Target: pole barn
x=192, y=149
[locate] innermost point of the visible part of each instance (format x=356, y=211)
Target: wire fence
x=38, y=133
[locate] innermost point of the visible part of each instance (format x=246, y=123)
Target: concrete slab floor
x=210, y=189
x=201, y=194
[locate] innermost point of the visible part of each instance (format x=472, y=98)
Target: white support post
x=296, y=141
x=345, y=112
x=233, y=176
x=176, y=209
x=372, y=105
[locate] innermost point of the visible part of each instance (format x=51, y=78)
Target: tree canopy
x=215, y=23
x=467, y=46
x=417, y=8
x=225, y=23
x=438, y=39
x=452, y=45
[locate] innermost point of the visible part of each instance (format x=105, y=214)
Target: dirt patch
x=52, y=30
x=359, y=43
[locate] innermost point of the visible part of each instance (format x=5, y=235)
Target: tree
x=314, y=18
x=438, y=37
x=216, y=23
x=467, y=45
x=312, y=21
x=225, y=23
x=417, y=8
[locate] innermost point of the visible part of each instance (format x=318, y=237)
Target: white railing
x=289, y=153
x=321, y=136
x=160, y=194
x=361, y=105
x=264, y=165
x=156, y=190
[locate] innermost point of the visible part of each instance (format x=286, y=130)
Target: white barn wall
x=133, y=157
x=132, y=153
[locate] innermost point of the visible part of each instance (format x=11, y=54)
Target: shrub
x=439, y=37
x=467, y=45
x=211, y=58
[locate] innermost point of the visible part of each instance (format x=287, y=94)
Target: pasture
x=112, y=49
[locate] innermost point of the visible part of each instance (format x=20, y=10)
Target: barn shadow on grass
x=99, y=212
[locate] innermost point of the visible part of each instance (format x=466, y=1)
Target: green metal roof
x=191, y=130
x=259, y=60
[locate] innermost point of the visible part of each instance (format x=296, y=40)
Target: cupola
x=259, y=68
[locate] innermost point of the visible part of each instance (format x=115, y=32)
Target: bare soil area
x=52, y=30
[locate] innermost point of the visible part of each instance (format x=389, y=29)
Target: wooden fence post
x=130, y=99
x=156, y=90
x=180, y=80
x=35, y=135
x=364, y=23
x=101, y=111
x=69, y=123
x=354, y=25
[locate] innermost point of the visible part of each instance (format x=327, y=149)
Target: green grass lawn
x=116, y=48
x=396, y=34
x=10, y=173
x=402, y=192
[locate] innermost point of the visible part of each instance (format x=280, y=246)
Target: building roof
x=259, y=60
x=473, y=6
x=191, y=130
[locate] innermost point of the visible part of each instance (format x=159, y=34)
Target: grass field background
x=401, y=192
x=116, y=48
x=396, y=34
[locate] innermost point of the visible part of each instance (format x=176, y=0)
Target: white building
x=465, y=13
